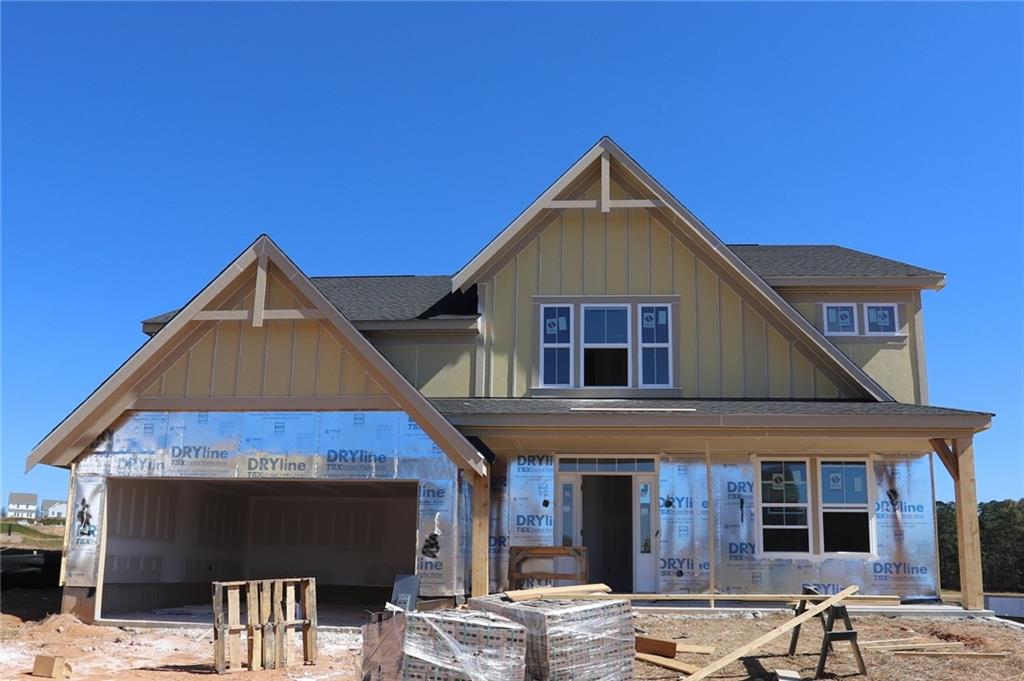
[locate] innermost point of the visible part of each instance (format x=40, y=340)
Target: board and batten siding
x=724, y=346
x=280, y=358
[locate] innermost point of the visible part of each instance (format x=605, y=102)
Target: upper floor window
x=841, y=319
x=606, y=351
x=655, y=344
x=605, y=344
x=556, y=345
x=881, y=319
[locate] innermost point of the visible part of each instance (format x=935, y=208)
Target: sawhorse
x=829, y=634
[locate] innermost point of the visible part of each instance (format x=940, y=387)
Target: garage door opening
x=167, y=540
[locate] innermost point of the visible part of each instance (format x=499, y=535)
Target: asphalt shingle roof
x=22, y=498
x=461, y=406
x=401, y=297
x=822, y=261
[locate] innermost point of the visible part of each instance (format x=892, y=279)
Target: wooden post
x=481, y=537
x=266, y=615
x=712, y=524
x=255, y=628
x=219, y=630
x=971, y=590
x=309, y=652
x=234, y=621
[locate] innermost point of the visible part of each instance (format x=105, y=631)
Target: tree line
x=1002, y=545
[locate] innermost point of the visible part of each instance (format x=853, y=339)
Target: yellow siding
x=724, y=346
x=896, y=363
x=281, y=358
x=439, y=367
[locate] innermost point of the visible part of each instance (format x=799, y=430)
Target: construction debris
x=914, y=646
x=575, y=591
x=948, y=653
x=444, y=644
x=667, y=663
x=699, y=650
x=51, y=667
x=656, y=646
x=571, y=639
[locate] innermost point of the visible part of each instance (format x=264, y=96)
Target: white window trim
x=758, y=505
x=628, y=345
x=869, y=507
x=641, y=345
x=570, y=345
x=856, y=319
x=895, y=315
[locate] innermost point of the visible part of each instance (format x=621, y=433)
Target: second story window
x=606, y=357
x=655, y=345
x=840, y=319
x=556, y=345
x=881, y=319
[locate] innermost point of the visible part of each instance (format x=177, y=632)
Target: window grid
x=786, y=507
x=846, y=470
x=654, y=345
x=545, y=344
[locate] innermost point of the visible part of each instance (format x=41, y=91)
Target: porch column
x=481, y=572
x=968, y=533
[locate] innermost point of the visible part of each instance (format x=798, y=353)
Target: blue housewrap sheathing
x=904, y=562
x=374, y=445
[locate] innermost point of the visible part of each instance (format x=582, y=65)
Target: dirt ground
x=732, y=631
x=98, y=653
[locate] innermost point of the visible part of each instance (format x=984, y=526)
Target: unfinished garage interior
x=168, y=539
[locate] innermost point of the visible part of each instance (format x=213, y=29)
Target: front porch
x=721, y=446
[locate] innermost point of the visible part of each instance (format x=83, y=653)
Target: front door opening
x=608, y=529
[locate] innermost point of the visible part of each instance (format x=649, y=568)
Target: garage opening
x=168, y=539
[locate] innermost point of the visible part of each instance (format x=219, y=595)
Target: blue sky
x=145, y=144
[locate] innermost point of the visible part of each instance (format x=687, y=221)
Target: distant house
x=53, y=508
x=22, y=505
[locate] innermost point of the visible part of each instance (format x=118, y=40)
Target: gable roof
x=22, y=498
x=677, y=217
x=406, y=297
x=117, y=393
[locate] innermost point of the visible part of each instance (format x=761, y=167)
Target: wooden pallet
x=270, y=617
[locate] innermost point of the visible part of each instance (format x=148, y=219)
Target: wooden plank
x=970, y=542
x=280, y=632
x=690, y=648
x=254, y=630
x=289, y=616
x=309, y=646
x=914, y=646
x=948, y=653
x=219, y=642
x=480, y=538
x=606, y=183
x=674, y=665
x=571, y=203
x=723, y=662
x=742, y=598
x=891, y=640
x=260, y=300
x=946, y=456
x=655, y=646
x=555, y=591
x=234, y=620
x=266, y=613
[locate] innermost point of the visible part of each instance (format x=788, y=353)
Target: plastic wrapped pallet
x=569, y=639
x=443, y=645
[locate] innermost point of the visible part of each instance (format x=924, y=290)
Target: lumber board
x=914, y=646
x=555, y=591
x=234, y=627
x=882, y=641
x=674, y=665
x=947, y=653
x=254, y=640
x=690, y=648
x=725, y=661
x=655, y=646
x=866, y=599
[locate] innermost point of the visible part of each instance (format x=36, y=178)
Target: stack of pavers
x=445, y=644
x=569, y=639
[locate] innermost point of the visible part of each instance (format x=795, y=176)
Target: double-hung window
x=880, y=319
x=655, y=346
x=556, y=345
x=606, y=352
x=785, y=526
x=845, y=514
